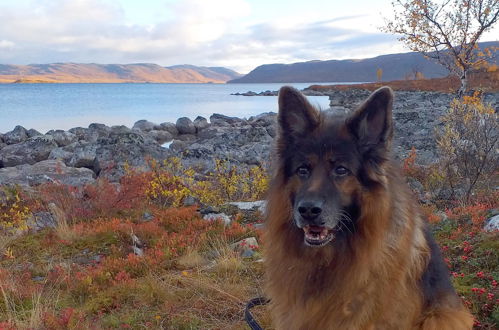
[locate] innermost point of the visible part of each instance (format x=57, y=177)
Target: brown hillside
x=485, y=81
x=111, y=73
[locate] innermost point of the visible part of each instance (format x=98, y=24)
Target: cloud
x=198, y=32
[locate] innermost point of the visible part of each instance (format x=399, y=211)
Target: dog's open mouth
x=317, y=236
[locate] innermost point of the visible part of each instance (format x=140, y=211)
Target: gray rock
x=223, y=120
x=33, y=132
x=190, y=201
x=41, y=220
x=31, y=151
x=185, y=126
x=218, y=216
x=17, y=135
x=80, y=132
x=160, y=136
x=178, y=146
x=264, y=119
x=83, y=155
x=186, y=137
x=492, y=224
x=250, y=206
x=147, y=216
x=46, y=171
x=120, y=150
x=138, y=251
x=61, y=154
x=200, y=123
x=169, y=127
x=245, y=247
x=63, y=138
x=144, y=125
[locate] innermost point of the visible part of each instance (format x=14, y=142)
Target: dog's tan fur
x=372, y=281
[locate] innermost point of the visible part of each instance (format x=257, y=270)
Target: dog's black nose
x=309, y=210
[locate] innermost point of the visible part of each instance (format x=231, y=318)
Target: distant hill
x=394, y=67
x=113, y=73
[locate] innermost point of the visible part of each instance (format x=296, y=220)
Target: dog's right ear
x=297, y=116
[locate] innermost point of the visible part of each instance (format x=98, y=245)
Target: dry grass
x=63, y=229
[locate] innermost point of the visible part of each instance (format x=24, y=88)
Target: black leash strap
x=248, y=317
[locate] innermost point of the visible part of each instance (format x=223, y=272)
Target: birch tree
x=447, y=31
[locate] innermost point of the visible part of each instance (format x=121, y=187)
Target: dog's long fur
x=382, y=269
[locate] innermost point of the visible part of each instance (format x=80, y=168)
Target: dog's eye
x=302, y=171
x=341, y=171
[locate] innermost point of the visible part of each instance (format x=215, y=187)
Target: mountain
x=393, y=66
x=114, y=73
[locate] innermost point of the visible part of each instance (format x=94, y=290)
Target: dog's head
x=328, y=160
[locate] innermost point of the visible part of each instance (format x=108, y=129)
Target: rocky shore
x=80, y=155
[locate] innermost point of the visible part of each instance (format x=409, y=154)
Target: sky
x=238, y=34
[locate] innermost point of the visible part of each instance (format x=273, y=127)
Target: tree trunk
x=464, y=84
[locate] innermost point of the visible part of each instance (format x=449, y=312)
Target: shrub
x=13, y=209
x=171, y=183
x=468, y=144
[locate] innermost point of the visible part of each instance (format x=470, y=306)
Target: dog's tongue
x=315, y=233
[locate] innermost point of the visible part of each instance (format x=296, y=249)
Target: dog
x=346, y=246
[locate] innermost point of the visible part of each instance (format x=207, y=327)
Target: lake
x=63, y=106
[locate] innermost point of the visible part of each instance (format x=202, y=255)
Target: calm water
x=63, y=106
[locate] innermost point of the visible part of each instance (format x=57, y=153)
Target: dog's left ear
x=371, y=123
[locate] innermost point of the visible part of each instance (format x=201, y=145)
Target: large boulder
x=160, y=136
x=185, y=126
x=31, y=151
x=223, y=120
x=17, y=135
x=170, y=128
x=123, y=149
x=33, y=132
x=63, y=138
x=46, y=171
x=200, y=123
x=144, y=125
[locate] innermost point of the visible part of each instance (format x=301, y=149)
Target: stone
x=41, y=220
x=200, y=123
x=31, y=151
x=185, y=126
x=492, y=224
x=63, y=138
x=245, y=247
x=223, y=120
x=17, y=135
x=250, y=206
x=169, y=127
x=160, y=136
x=83, y=155
x=47, y=171
x=33, y=132
x=147, y=216
x=218, y=216
x=144, y=125
x=190, y=201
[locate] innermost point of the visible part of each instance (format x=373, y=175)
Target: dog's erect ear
x=371, y=123
x=296, y=115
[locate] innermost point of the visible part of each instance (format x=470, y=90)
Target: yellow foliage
x=492, y=68
x=468, y=143
x=172, y=183
x=13, y=210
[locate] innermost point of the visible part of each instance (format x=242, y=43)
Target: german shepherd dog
x=346, y=246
